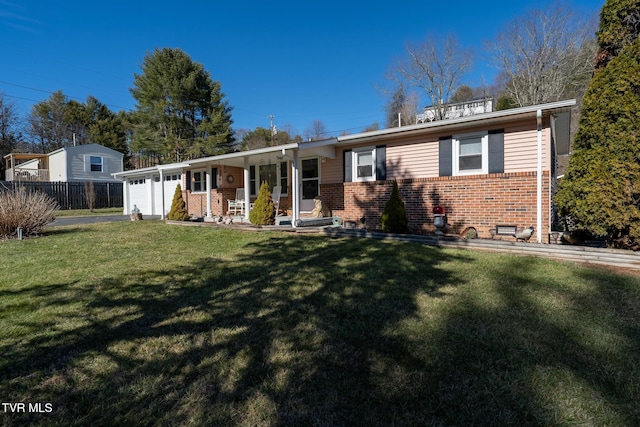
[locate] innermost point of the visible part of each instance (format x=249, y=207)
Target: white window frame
x=203, y=182
x=354, y=164
x=484, y=139
x=90, y=164
x=258, y=181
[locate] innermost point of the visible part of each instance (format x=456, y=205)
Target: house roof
x=84, y=147
x=326, y=147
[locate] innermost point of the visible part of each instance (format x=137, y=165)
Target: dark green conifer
x=394, y=217
x=264, y=211
x=601, y=188
x=178, y=210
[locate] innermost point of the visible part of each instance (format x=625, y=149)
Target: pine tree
x=394, y=217
x=601, y=188
x=181, y=111
x=178, y=210
x=264, y=211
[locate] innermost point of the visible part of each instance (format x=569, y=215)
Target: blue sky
x=299, y=61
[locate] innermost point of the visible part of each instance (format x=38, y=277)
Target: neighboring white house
x=90, y=162
x=460, y=109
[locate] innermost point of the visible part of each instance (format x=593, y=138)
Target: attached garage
x=144, y=188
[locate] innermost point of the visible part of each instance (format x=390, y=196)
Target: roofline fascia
x=452, y=123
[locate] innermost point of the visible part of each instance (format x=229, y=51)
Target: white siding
x=58, y=166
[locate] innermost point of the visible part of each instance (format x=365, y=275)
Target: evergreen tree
x=178, y=211
x=394, y=217
x=601, y=188
x=181, y=112
x=264, y=211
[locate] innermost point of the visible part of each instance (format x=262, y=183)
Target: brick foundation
x=479, y=201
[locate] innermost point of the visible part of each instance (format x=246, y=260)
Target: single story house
x=486, y=169
x=90, y=162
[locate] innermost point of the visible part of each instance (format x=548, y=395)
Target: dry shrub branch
x=31, y=211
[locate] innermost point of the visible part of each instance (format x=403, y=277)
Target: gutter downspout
x=539, y=179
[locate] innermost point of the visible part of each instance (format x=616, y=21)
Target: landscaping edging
x=581, y=254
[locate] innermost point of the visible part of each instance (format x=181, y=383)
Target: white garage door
x=138, y=195
x=171, y=181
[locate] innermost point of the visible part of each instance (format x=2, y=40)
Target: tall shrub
x=601, y=188
x=264, y=211
x=394, y=217
x=31, y=211
x=178, y=211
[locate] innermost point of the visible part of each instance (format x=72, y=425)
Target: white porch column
x=125, y=189
x=162, y=209
x=295, y=187
x=208, y=181
x=247, y=191
x=149, y=184
x=539, y=183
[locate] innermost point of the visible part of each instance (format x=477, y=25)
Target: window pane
x=268, y=173
x=471, y=146
x=310, y=189
x=365, y=158
x=364, y=167
x=365, y=171
x=310, y=168
x=470, y=162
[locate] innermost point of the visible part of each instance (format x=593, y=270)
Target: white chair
x=237, y=206
x=275, y=196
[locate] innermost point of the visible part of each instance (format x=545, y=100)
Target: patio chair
x=275, y=196
x=237, y=206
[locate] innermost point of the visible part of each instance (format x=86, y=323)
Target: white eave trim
x=495, y=116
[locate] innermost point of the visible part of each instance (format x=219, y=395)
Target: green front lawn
x=140, y=323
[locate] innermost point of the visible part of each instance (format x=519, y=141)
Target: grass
x=140, y=323
x=87, y=212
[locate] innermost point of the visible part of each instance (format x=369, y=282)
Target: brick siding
x=479, y=201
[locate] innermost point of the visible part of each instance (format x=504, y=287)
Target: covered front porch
x=215, y=186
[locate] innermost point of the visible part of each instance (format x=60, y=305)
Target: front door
x=310, y=183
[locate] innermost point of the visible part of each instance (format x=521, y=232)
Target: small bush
x=178, y=211
x=394, y=217
x=31, y=211
x=264, y=211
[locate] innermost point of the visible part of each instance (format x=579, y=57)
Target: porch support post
x=162, y=209
x=539, y=183
x=126, y=202
x=208, y=179
x=247, y=192
x=295, y=187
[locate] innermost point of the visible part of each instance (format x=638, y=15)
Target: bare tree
x=402, y=108
x=435, y=66
x=316, y=131
x=9, y=130
x=545, y=53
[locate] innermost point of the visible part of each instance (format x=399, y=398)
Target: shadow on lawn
x=295, y=335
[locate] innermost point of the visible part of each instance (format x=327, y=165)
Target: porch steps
x=580, y=254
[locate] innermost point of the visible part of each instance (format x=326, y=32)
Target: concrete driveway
x=94, y=219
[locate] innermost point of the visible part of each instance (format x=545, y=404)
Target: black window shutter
x=188, y=180
x=496, y=151
x=214, y=177
x=445, y=156
x=381, y=163
x=348, y=166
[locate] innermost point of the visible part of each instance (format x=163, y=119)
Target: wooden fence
x=72, y=195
